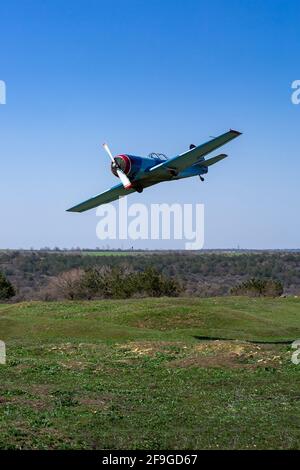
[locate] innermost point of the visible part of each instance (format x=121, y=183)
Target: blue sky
x=149, y=76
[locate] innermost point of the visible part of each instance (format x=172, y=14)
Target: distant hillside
x=203, y=273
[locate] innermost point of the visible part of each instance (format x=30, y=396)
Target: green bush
x=154, y=284
x=7, y=290
x=114, y=283
x=259, y=288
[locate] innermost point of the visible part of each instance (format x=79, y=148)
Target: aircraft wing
x=190, y=157
x=103, y=198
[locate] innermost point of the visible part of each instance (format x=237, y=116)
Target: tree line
x=199, y=274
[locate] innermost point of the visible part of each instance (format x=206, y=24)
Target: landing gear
x=201, y=178
x=139, y=189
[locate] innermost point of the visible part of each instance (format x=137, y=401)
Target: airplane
x=138, y=173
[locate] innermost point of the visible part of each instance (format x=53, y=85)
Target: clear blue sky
x=149, y=76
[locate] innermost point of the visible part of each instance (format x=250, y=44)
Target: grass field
x=108, y=253
x=146, y=374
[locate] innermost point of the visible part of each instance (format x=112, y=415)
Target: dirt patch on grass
x=36, y=404
x=150, y=348
x=232, y=354
x=102, y=402
x=77, y=365
x=64, y=348
x=216, y=353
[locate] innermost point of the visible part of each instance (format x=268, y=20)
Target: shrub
x=7, y=290
x=121, y=283
x=111, y=283
x=258, y=288
x=107, y=282
x=154, y=284
x=67, y=285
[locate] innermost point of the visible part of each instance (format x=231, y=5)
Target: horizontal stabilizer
x=212, y=161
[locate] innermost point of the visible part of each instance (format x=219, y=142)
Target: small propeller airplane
x=138, y=173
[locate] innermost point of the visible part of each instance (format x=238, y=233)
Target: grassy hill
x=151, y=374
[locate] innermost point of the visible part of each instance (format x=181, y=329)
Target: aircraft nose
x=124, y=162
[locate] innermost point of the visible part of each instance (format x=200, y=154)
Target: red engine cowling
x=124, y=162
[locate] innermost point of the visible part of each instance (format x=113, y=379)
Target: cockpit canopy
x=158, y=156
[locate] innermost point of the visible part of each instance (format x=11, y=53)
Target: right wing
x=103, y=198
x=193, y=156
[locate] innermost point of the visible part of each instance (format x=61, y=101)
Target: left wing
x=103, y=198
x=190, y=157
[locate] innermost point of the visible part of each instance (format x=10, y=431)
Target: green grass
x=109, y=253
x=136, y=374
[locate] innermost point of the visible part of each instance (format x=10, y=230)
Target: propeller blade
x=124, y=180
x=107, y=149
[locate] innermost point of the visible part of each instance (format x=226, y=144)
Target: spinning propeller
x=124, y=179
